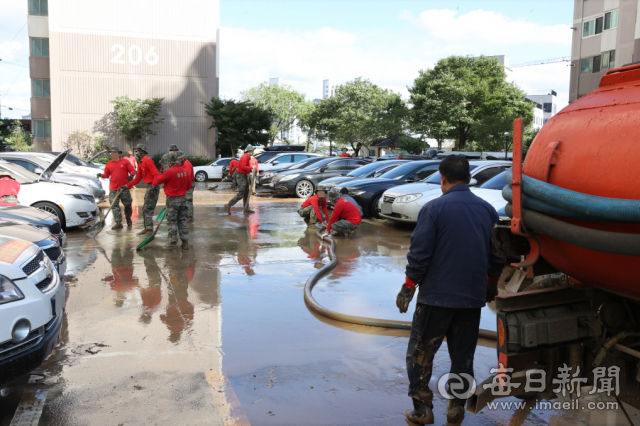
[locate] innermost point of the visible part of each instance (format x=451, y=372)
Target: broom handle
x=161, y=219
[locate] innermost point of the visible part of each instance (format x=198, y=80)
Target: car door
x=485, y=174
x=216, y=170
x=300, y=157
x=422, y=173
x=335, y=168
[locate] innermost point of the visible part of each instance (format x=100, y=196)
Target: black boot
x=455, y=411
x=422, y=413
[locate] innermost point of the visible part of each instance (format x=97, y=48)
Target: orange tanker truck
x=570, y=309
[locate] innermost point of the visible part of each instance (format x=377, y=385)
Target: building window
x=41, y=88
x=595, y=26
x=586, y=65
x=596, y=63
x=39, y=7
x=40, y=47
x=609, y=59
x=42, y=128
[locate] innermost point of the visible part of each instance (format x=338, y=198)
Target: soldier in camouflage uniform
x=163, y=161
x=176, y=183
x=243, y=180
x=186, y=164
x=147, y=171
x=117, y=171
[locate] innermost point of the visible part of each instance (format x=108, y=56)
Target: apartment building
x=85, y=53
x=546, y=107
x=605, y=36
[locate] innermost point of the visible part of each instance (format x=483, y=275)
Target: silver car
x=37, y=165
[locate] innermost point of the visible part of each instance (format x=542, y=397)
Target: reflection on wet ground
x=220, y=334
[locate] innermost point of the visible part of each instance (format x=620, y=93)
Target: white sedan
x=212, y=170
x=72, y=204
x=403, y=203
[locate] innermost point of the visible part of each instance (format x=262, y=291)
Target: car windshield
x=72, y=159
x=304, y=164
x=496, y=182
x=46, y=160
x=320, y=163
x=266, y=155
x=21, y=174
x=435, y=178
x=401, y=171
x=365, y=170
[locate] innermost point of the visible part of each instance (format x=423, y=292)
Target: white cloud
x=9, y=50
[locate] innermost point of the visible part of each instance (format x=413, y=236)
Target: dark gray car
x=302, y=183
x=26, y=215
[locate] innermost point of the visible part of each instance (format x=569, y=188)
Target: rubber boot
x=118, y=225
x=249, y=211
x=172, y=245
x=129, y=222
x=226, y=209
x=455, y=411
x=145, y=232
x=185, y=245
x=351, y=234
x=190, y=219
x=422, y=413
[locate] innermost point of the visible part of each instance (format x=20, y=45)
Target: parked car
x=367, y=171
x=68, y=167
x=403, y=204
x=32, y=216
x=79, y=161
x=302, y=182
x=264, y=179
x=284, y=159
x=212, y=170
x=38, y=164
x=32, y=301
x=73, y=205
x=412, y=157
x=367, y=192
x=48, y=243
x=271, y=151
x=491, y=192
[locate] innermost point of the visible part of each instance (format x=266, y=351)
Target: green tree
x=469, y=100
x=238, y=123
x=410, y=144
x=84, y=145
x=361, y=112
x=528, y=136
x=6, y=127
x=307, y=120
x=135, y=118
x=18, y=139
x=323, y=120
x=283, y=102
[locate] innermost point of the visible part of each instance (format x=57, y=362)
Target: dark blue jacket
x=450, y=254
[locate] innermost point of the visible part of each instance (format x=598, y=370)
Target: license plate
x=386, y=208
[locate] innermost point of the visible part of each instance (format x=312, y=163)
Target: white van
x=32, y=301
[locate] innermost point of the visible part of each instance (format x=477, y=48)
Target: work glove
x=405, y=295
x=492, y=288
x=326, y=234
x=99, y=175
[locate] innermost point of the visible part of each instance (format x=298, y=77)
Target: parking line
x=30, y=408
x=226, y=401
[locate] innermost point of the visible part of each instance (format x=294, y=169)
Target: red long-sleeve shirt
x=233, y=165
x=245, y=166
x=147, y=170
x=344, y=210
x=119, y=172
x=316, y=203
x=176, y=181
x=189, y=168
x=9, y=186
x=254, y=162
x=345, y=155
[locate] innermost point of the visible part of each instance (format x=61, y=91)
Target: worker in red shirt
x=9, y=188
x=188, y=197
x=400, y=156
x=176, y=183
x=314, y=209
x=242, y=177
x=130, y=158
x=147, y=171
x=346, y=216
x=254, y=163
x=233, y=168
x=117, y=171
x=344, y=153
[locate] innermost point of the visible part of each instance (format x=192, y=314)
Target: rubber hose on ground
x=352, y=319
x=546, y=208
x=604, y=241
x=604, y=208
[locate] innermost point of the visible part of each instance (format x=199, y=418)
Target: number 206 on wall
x=134, y=55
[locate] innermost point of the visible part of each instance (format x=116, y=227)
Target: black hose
x=352, y=319
x=604, y=241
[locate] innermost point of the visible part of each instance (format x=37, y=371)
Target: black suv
x=302, y=183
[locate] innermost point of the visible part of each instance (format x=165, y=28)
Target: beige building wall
x=140, y=48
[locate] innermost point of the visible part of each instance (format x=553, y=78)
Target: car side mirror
x=473, y=182
x=38, y=170
x=410, y=179
x=324, y=169
x=78, y=163
x=276, y=163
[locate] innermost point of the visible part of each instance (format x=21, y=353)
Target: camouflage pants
x=309, y=215
x=12, y=199
x=125, y=197
x=343, y=226
x=149, y=206
x=188, y=197
x=234, y=181
x=243, y=189
x=177, y=219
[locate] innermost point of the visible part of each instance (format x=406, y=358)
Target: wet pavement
x=220, y=335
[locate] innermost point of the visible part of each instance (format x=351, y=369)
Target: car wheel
x=201, y=176
x=375, y=207
x=52, y=208
x=304, y=189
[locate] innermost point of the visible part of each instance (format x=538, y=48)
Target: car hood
x=338, y=180
x=22, y=214
x=15, y=252
x=414, y=188
x=24, y=232
x=46, y=174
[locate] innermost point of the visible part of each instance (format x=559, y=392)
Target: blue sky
x=388, y=42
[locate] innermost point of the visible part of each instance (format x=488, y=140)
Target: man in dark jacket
x=451, y=260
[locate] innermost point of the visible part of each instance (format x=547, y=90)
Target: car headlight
x=85, y=197
x=407, y=198
x=8, y=291
x=357, y=192
x=289, y=177
x=44, y=227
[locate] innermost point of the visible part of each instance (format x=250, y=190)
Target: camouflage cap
x=172, y=158
x=249, y=148
x=141, y=147
x=181, y=155
x=173, y=148
x=115, y=149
